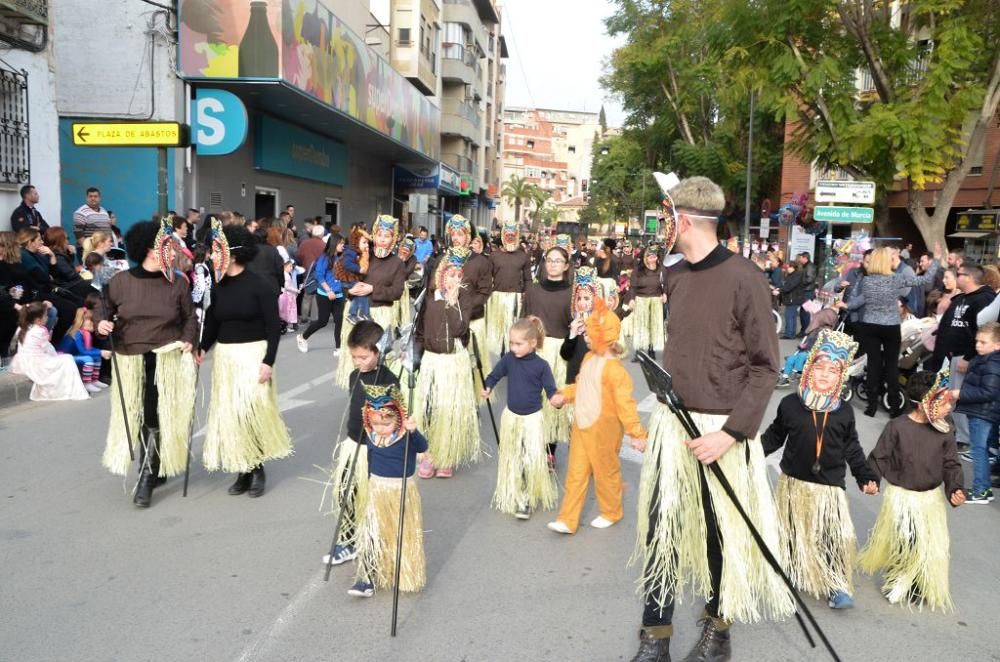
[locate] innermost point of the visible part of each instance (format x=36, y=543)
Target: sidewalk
x=14, y=389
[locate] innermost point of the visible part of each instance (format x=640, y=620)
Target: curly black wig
x=242, y=244
x=139, y=240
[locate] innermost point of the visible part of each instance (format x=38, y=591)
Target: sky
x=558, y=50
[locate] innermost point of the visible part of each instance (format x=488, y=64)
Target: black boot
x=714, y=644
x=149, y=468
x=871, y=408
x=654, y=644
x=652, y=353
x=241, y=485
x=635, y=357
x=258, y=481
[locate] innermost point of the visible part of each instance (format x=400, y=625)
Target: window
x=15, y=162
x=404, y=36
x=572, y=149
x=531, y=144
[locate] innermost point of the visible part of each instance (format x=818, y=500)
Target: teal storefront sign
x=286, y=149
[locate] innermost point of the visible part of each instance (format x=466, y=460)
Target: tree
x=540, y=199
x=602, y=119
x=516, y=191
x=934, y=87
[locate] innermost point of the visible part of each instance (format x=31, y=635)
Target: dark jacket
x=267, y=264
x=956, y=334
x=980, y=394
x=793, y=289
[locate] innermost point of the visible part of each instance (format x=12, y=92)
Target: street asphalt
x=85, y=575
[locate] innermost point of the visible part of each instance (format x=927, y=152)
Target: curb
x=14, y=389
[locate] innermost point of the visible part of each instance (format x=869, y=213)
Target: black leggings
x=653, y=614
x=325, y=308
x=881, y=344
x=8, y=324
x=150, y=394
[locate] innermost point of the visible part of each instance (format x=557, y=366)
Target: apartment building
x=551, y=149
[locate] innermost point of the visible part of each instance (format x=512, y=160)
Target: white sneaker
x=101, y=385
x=302, y=343
x=558, y=527
x=91, y=388
x=601, y=523
x=336, y=352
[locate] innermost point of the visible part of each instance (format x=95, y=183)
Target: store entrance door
x=332, y=211
x=265, y=204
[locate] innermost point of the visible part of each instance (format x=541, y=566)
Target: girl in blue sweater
x=523, y=478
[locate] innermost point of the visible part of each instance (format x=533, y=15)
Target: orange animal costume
x=604, y=411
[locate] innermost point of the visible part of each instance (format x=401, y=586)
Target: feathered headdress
x=385, y=225
x=459, y=222
x=936, y=398
x=830, y=346
x=220, y=250
x=382, y=398
x=165, y=249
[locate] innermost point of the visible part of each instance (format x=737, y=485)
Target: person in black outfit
x=245, y=428
x=27, y=215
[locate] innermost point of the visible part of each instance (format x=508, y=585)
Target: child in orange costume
x=605, y=410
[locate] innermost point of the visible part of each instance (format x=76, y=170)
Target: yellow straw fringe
x=818, y=544
x=446, y=408
x=354, y=501
x=647, y=324
x=175, y=378
x=555, y=422
x=910, y=543
x=345, y=366
x=477, y=329
x=379, y=532
x=675, y=554
x=523, y=476
x=403, y=313
x=245, y=427
x=501, y=313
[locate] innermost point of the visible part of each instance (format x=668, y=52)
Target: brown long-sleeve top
x=440, y=325
x=477, y=276
x=410, y=265
x=646, y=283
x=511, y=270
x=723, y=351
x=917, y=457
x=550, y=301
x=386, y=275
x=148, y=311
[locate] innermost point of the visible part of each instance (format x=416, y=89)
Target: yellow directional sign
x=130, y=134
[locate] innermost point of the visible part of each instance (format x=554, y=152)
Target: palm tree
x=516, y=191
x=539, y=198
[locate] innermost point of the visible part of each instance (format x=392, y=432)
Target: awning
x=969, y=235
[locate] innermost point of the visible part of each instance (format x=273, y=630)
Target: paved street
x=84, y=575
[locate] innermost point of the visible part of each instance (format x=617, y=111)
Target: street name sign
x=859, y=193
x=130, y=134
x=844, y=214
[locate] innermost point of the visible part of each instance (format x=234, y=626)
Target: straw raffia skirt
x=647, y=324
x=501, y=312
x=379, y=533
x=910, y=544
x=675, y=555
x=176, y=377
x=402, y=313
x=385, y=317
x=818, y=544
x=446, y=408
x=555, y=422
x=245, y=428
x=352, y=500
x=523, y=475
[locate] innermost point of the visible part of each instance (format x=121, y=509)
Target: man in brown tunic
x=723, y=356
x=511, y=272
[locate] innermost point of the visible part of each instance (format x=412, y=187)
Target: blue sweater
x=526, y=378
x=388, y=462
x=326, y=282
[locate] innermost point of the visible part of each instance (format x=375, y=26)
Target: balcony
x=462, y=164
x=460, y=64
x=484, y=9
x=461, y=118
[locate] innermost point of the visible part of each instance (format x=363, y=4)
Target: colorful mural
x=317, y=53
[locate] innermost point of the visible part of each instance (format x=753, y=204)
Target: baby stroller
x=827, y=318
x=912, y=352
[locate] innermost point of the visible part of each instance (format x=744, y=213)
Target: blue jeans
x=359, y=306
x=981, y=433
x=795, y=363
x=791, y=316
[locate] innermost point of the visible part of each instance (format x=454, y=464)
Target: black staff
x=479, y=368
x=402, y=512
x=117, y=374
x=197, y=378
x=661, y=383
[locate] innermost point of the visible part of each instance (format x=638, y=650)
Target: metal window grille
x=15, y=159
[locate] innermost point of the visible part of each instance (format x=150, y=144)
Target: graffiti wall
x=303, y=43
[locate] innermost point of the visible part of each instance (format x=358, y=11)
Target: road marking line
x=257, y=648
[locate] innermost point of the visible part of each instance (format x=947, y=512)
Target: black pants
x=881, y=344
x=8, y=324
x=66, y=309
x=652, y=614
x=150, y=394
x=325, y=308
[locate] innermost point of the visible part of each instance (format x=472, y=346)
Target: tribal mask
x=668, y=223
x=510, y=236
x=385, y=399
x=585, y=292
x=385, y=231
x=825, y=370
x=406, y=248
x=459, y=230
x=165, y=248
x=564, y=241
x=477, y=244
x=448, y=277
x=936, y=405
x=220, y=250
